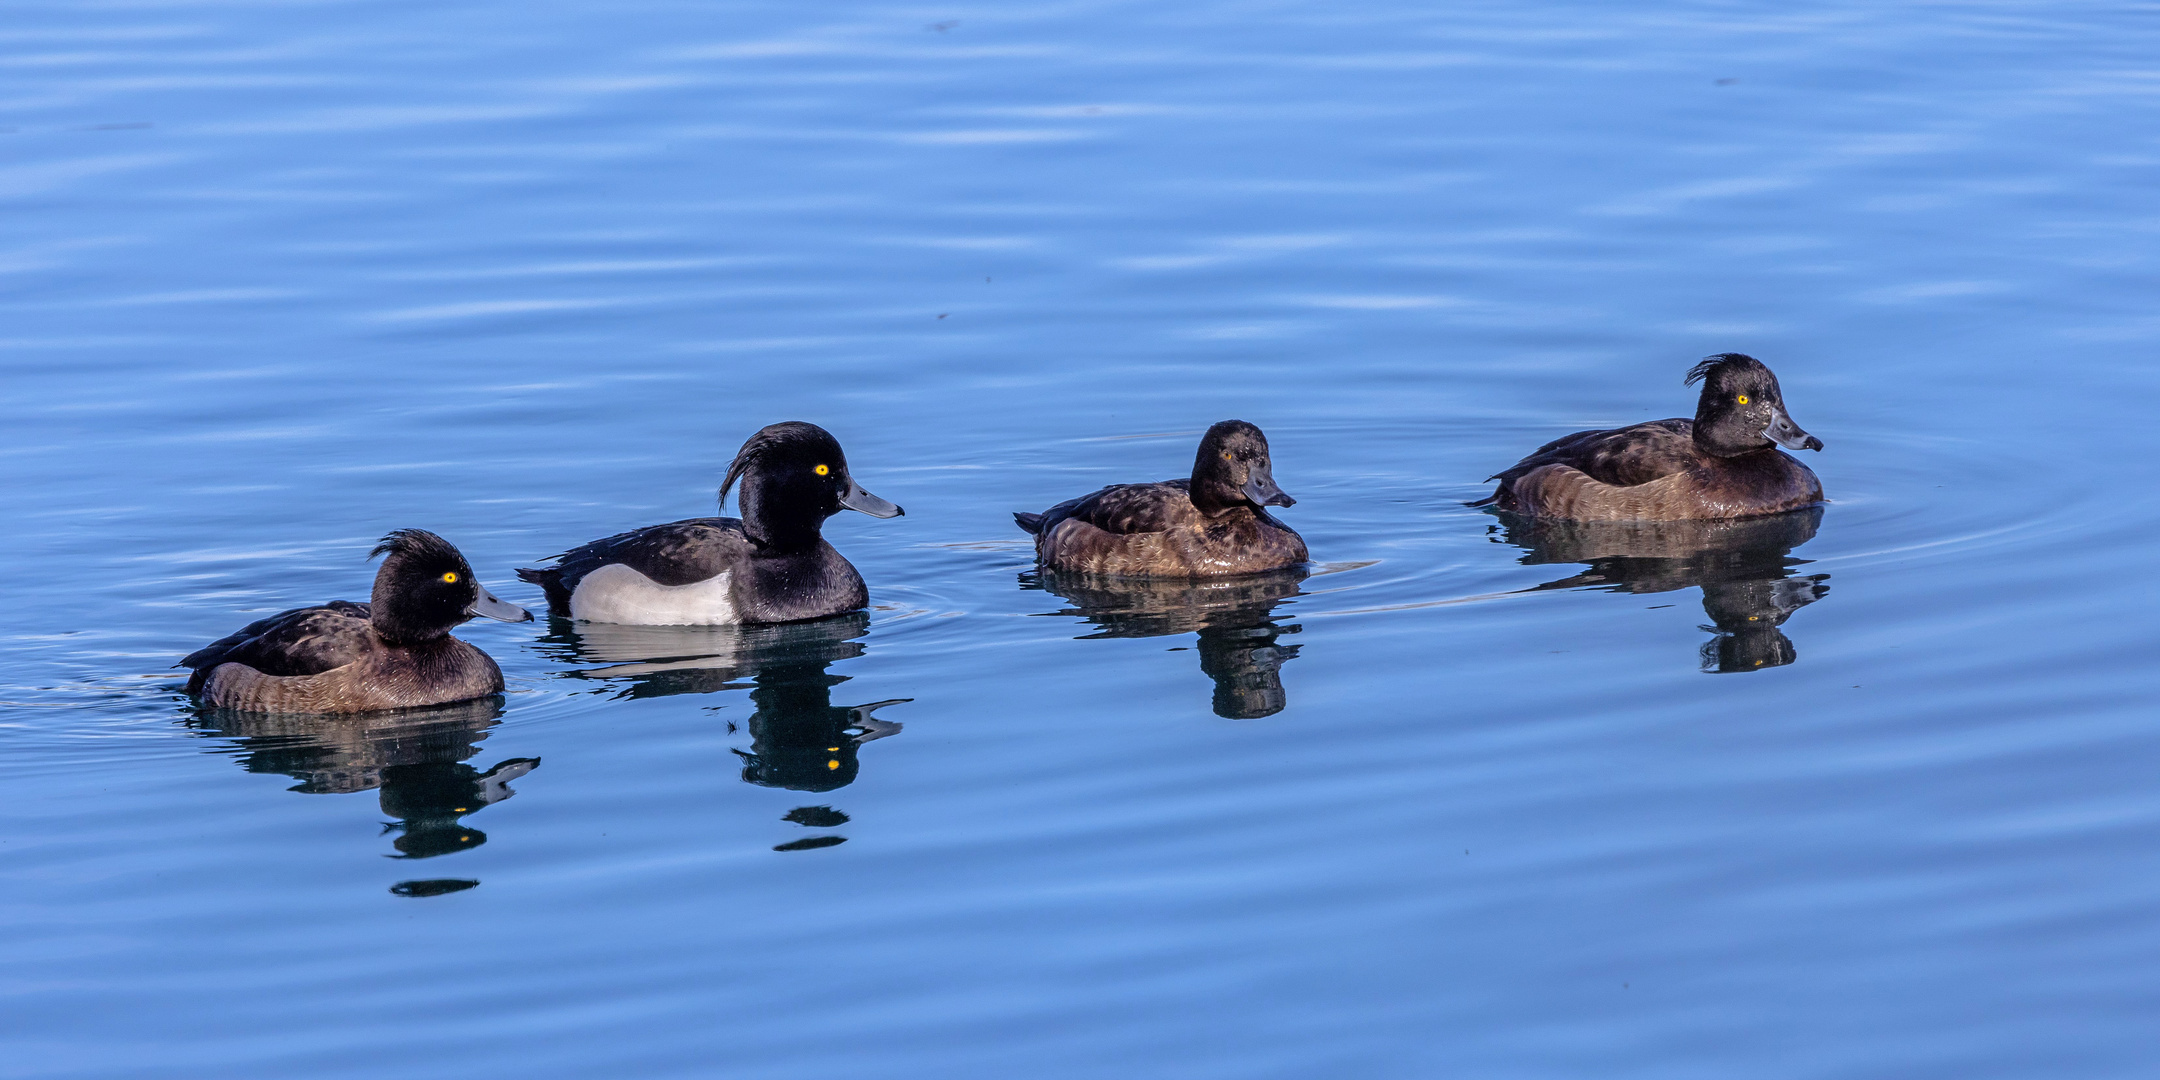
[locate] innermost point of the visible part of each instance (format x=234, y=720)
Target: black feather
x=550, y=581
x=417, y=543
x=1702, y=370
x=303, y=641
x=771, y=437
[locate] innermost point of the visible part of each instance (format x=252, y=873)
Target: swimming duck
x=1725, y=463
x=393, y=652
x=1212, y=524
x=773, y=565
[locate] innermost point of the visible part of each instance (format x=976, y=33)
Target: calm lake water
x=1870, y=794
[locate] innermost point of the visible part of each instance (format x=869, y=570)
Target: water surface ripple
x=1868, y=792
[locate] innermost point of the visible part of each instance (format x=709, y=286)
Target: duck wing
x=1123, y=509
x=1621, y=457
x=677, y=553
x=303, y=641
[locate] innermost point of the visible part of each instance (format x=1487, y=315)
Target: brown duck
x=1725, y=463
x=1212, y=524
x=394, y=652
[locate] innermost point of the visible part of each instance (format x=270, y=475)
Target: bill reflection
x=1744, y=568
x=1233, y=618
x=414, y=758
x=799, y=739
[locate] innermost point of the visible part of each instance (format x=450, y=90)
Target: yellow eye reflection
x=1742, y=399
x=449, y=577
x=824, y=470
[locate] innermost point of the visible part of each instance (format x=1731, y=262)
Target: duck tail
x=550, y=581
x=1499, y=496
x=1032, y=523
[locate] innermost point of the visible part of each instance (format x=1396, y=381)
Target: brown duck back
x=1154, y=530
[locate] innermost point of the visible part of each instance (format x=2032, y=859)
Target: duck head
x=426, y=588
x=1233, y=469
x=1741, y=409
x=793, y=477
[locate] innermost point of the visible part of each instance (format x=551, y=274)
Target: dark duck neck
x=781, y=517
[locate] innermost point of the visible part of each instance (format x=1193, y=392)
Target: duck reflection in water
x=1744, y=567
x=1238, y=643
x=799, y=740
x=414, y=757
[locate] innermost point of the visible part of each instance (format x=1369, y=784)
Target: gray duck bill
x=486, y=604
x=855, y=498
x=1787, y=434
x=1261, y=490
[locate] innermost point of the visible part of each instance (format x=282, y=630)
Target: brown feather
x=1154, y=530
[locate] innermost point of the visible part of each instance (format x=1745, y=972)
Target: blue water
x=278, y=278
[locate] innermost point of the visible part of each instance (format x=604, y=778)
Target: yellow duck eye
x=1742, y=399
x=832, y=765
x=449, y=577
x=824, y=470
